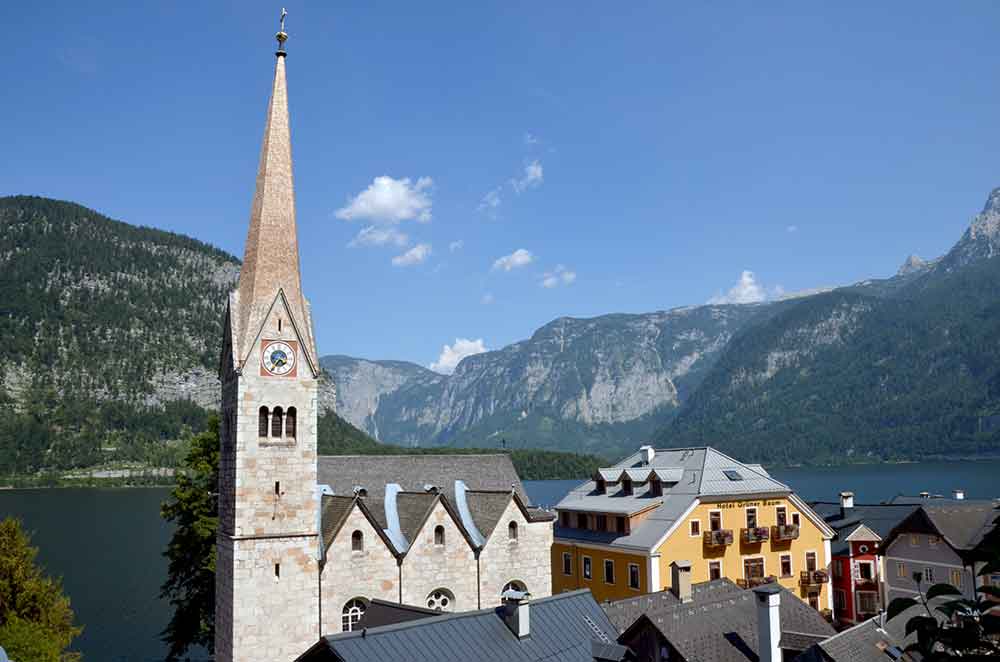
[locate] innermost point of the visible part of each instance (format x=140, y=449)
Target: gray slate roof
x=383, y=612
x=963, y=524
x=563, y=629
x=880, y=518
x=486, y=509
x=856, y=644
x=335, y=510
x=723, y=628
x=702, y=474
x=413, y=472
x=623, y=613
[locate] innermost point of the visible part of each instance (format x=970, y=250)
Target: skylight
x=733, y=474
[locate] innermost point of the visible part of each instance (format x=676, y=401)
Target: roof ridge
x=420, y=455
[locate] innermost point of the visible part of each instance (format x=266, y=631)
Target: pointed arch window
x=357, y=542
x=290, y=416
x=512, y=531
x=262, y=422
x=277, y=421
x=438, y=535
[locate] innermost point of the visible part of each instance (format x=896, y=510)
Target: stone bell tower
x=267, y=603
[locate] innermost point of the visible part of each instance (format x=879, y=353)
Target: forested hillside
x=851, y=376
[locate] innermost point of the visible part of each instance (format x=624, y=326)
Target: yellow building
x=618, y=533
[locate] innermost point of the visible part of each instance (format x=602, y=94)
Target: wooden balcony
x=753, y=582
x=719, y=538
x=755, y=535
x=785, y=532
x=813, y=577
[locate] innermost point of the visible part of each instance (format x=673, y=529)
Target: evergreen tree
x=36, y=621
x=190, y=585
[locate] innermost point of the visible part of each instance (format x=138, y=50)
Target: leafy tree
x=190, y=585
x=36, y=621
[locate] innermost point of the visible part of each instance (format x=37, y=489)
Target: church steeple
x=271, y=260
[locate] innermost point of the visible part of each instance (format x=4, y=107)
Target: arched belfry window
x=277, y=418
x=512, y=530
x=438, y=535
x=262, y=422
x=290, y=422
x=357, y=542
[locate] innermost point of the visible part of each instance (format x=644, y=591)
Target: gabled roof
x=563, y=629
x=623, y=613
x=384, y=612
x=373, y=472
x=862, y=533
x=334, y=511
x=865, y=642
x=880, y=518
x=961, y=524
x=723, y=628
x=696, y=474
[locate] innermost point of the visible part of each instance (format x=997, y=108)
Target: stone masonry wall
x=372, y=573
x=526, y=559
x=452, y=566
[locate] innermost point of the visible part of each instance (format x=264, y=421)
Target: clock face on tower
x=278, y=358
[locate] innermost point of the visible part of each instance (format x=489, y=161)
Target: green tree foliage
x=851, y=376
x=193, y=509
x=338, y=437
x=36, y=621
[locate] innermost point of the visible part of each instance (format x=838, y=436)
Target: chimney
x=680, y=580
x=516, y=613
x=768, y=599
x=648, y=453
x=925, y=495
x=846, y=504
x=958, y=494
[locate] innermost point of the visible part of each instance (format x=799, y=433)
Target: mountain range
x=124, y=320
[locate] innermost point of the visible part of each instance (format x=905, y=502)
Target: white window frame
x=756, y=517
x=900, y=569
x=721, y=524
x=791, y=565
x=613, y=573
x=805, y=559
x=710, y=564
x=638, y=577
x=691, y=524
x=795, y=519
x=778, y=509
x=753, y=557
x=870, y=564
x=874, y=599
x=567, y=557
x=959, y=574
x=587, y=568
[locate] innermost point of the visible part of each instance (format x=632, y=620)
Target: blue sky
x=542, y=159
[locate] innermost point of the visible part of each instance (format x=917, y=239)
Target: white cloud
x=487, y=299
x=792, y=228
x=518, y=258
x=376, y=236
x=415, y=255
x=558, y=276
x=390, y=201
x=456, y=246
x=490, y=202
x=451, y=355
x=533, y=177
x=746, y=290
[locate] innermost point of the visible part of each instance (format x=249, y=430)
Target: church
x=305, y=542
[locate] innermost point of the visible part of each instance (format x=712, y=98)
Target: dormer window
x=602, y=486
x=627, y=486
x=656, y=487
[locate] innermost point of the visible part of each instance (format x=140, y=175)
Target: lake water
x=107, y=544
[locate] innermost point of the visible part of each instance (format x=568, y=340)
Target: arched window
x=438, y=535
x=512, y=530
x=290, y=422
x=514, y=585
x=441, y=599
x=262, y=422
x=276, y=422
x=353, y=611
x=357, y=542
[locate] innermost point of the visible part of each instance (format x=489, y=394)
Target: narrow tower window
x=290, y=422
x=357, y=542
x=438, y=535
x=277, y=570
x=512, y=530
x=277, y=488
x=279, y=325
x=262, y=422
x=276, y=422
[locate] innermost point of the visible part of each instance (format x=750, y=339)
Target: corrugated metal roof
x=563, y=628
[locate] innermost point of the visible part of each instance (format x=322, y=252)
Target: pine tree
x=36, y=621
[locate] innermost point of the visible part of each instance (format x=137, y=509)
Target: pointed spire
x=271, y=258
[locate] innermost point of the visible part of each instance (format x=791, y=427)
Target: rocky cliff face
x=603, y=371
x=981, y=240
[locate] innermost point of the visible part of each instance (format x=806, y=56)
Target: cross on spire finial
x=282, y=36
